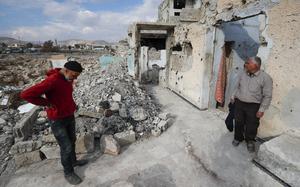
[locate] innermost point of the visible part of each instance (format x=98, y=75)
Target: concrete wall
x=187, y=68
x=282, y=57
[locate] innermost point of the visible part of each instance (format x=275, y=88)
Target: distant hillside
x=79, y=41
x=10, y=41
x=72, y=42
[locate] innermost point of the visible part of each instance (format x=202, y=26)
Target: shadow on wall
x=242, y=35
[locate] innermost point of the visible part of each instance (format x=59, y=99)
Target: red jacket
x=58, y=92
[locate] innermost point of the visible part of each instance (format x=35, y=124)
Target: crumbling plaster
x=188, y=73
x=280, y=54
x=282, y=63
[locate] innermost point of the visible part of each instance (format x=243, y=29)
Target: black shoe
x=251, y=146
x=73, y=178
x=80, y=162
x=235, y=143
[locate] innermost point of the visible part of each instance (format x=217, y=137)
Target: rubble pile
x=18, y=70
x=112, y=110
x=133, y=109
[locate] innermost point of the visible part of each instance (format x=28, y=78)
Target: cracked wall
x=192, y=75
x=281, y=57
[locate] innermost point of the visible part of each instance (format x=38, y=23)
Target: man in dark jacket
x=60, y=108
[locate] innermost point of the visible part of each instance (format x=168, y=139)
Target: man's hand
x=259, y=114
x=232, y=100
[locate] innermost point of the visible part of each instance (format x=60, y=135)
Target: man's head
x=72, y=70
x=253, y=64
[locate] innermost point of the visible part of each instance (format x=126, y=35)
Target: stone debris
x=109, y=145
x=138, y=114
x=2, y=122
x=25, y=146
x=156, y=132
x=6, y=141
x=51, y=152
x=125, y=138
x=27, y=158
x=85, y=143
x=112, y=107
x=164, y=116
x=117, y=97
x=48, y=139
x=163, y=125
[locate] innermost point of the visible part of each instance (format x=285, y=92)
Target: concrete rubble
x=281, y=156
x=113, y=109
x=109, y=145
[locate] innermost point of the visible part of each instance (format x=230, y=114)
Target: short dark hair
x=257, y=60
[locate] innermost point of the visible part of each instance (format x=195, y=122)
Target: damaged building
x=203, y=46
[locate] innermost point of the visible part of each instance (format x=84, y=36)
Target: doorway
x=234, y=42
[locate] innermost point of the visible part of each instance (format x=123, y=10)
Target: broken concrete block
x=123, y=112
x=109, y=145
x=164, y=116
x=91, y=114
x=51, y=152
x=85, y=143
x=41, y=121
x=117, y=97
x=98, y=130
x=27, y=146
x=163, y=125
x=114, y=106
x=48, y=138
x=23, y=128
x=138, y=114
x=281, y=156
x=27, y=158
x=156, y=120
x=125, y=138
x=156, y=132
x=2, y=122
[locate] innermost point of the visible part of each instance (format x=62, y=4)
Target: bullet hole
x=237, y=68
x=244, y=2
x=291, y=110
x=176, y=83
x=291, y=47
x=201, y=59
x=181, y=76
x=176, y=72
x=177, y=48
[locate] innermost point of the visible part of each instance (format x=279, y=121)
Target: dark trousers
x=64, y=132
x=246, y=122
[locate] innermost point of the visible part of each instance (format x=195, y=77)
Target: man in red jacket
x=60, y=107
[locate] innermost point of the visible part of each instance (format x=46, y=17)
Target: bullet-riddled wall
x=282, y=62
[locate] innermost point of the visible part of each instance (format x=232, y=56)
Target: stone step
x=281, y=157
